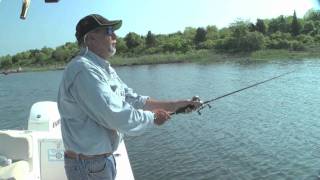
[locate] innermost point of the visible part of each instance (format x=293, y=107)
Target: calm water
x=268, y=132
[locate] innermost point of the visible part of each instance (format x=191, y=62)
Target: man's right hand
x=161, y=116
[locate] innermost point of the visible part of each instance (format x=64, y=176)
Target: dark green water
x=271, y=131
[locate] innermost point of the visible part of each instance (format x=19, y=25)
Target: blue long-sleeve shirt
x=96, y=107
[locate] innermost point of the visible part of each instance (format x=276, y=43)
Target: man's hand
x=161, y=116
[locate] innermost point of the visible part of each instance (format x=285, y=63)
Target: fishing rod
x=207, y=103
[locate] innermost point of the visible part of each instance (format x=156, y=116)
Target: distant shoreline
x=199, y=56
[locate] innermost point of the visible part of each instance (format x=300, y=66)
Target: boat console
x=38, y=153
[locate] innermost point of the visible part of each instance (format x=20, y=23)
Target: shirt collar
x=94, y=57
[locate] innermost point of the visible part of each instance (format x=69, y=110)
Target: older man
x=97, y=107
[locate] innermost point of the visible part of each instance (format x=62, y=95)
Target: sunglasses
x=109, y=31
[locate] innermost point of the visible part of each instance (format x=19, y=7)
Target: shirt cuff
x=151, y=117
x=143, y=100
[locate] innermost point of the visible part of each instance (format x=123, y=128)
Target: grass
x=272, y=54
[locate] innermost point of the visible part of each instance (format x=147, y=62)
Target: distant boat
x=6, y=72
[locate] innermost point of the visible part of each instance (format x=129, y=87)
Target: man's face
x=105, y=40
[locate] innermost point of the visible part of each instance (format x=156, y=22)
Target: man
x=96, y=107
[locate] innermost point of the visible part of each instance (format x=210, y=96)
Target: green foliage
x=317, y=28
x=63, y=53
x=312, y=15
x=176, y=44
x=260, y=26
x=279, y=40
x=286, y=41
x=306, y=39
x=296, y=46
x=189, y=33
x=317, y=38
x=250, y=41
x=251, y=27
x=308, y=27
x=212, y=33
x=208, y=44
x=5, y=62
x=280, y=44
x=295, y=25
x=133, y=40
x=279, y=34
x=241, y=39
x=200, y=35
x=279, y=24
x=239, y=28
x=150, y=40
x=121, y=46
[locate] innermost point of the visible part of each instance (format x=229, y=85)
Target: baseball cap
x=92, y=22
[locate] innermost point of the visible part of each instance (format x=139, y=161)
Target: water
x=271, y=131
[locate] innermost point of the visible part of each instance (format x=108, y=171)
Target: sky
x=53, y=24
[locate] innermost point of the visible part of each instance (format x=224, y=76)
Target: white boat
x=37, y=153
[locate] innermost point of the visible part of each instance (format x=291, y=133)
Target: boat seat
x=18, y=171
x=16, y=145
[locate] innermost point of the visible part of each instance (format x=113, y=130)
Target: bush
x=208, y=44
x=6, y=63
x=249, y=42
x=305, y=38
x=297, y=46
x=278, y=44
x=317, y=38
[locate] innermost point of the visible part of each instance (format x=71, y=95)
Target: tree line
x=283, y=32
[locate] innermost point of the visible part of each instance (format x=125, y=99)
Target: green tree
x=47, y=51
x=284, y=25
x=260, y=26
x=278, y=24
x=200, y=35
x=316, y=30
x=61, y=54
x=308, y=27
x=295, y=25
x=212, y=33
x=273, y=26
x=252, y=41
x=306, y=39
x=189, y=33
x=224, y=33
x=239, y=30
x=251, y=27
x=121, y=46
x=150, y=40
x=42, y=58
x=312, y=15
x=133, y=40
x=6, y=62
x=279, y=40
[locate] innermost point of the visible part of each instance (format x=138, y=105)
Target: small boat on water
x=12, y=71
x=38, y=153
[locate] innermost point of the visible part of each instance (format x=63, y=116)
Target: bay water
x=271, y=131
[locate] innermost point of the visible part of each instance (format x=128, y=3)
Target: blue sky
x=54, y=24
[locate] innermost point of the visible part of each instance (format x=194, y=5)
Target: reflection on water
x=271, y=131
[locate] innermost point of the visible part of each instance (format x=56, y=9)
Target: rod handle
x=182, y=109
